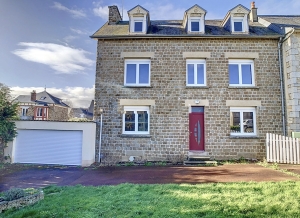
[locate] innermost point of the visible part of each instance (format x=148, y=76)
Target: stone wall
x=58, y=113
x=291, y=63
x=169, y=121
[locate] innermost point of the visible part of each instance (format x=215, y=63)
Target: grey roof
x=278, y=23
x=174, y=28
x=42, y=98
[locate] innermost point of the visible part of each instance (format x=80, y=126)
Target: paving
x=62, y=176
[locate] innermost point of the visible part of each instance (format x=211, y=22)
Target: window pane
x=131, y=73
x=129, y=121
x=246, y=74
x=197, y=109
x=235, y=126
x=200, y=74
x=144, y=73
x=248, y=122
x=138, y=26
x=238, y=26
x=233, y=74
x=190, y=69
x=142, y=120
x=195, y=26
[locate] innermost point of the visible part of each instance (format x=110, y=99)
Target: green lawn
x=269, y=199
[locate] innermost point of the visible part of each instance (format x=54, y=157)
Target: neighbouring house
x=42, y=106
x=171, y=89
x=87, y=113
x=289, y=27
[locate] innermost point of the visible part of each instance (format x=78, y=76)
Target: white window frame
x=24, y=111
x=195, y=19
x=241, y=20
x=140, y=21
x=135, y=109
x=240, y=62
x=41, y=110
x=195, y=62
x=137, y=62
x=241, y=110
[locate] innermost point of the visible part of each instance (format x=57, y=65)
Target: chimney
x=253, y=13
x=113, y=15
x=33, y=95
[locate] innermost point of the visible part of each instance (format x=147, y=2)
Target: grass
x=268, y=199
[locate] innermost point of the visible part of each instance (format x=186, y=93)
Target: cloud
x=79, y=96
x=164, y=11
x=80, y=32
x=74, y=13
x=62, y=59
x=279, y=7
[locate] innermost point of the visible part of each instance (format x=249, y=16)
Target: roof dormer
x=236, y=20
x=139, y=20
x=194, y=20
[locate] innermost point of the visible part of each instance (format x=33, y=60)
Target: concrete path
x=38, y=178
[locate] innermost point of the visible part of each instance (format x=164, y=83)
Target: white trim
x=137, y=62
x=240, y=62
x=241, y=110
x=135, y=109
x=195, y=62
x=243, y=19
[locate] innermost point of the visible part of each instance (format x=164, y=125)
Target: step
x=197, y=157
x=208, y=162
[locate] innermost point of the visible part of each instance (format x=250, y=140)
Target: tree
x=8, y=111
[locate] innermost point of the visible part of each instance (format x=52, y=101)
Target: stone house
x=42, y=106
x=172, y=89
x=289, y=27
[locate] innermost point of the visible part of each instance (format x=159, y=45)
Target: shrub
x=13, y=194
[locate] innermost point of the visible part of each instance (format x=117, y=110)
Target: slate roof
x=280, y=22
x=42, y=98
x=174, y=28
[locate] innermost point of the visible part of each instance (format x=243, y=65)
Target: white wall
x=88, y=136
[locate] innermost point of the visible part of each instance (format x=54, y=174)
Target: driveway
x=41, y=177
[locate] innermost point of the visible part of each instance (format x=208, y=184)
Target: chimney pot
x=253, y=13
x=33, y=95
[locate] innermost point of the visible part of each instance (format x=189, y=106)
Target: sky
x=46, y=43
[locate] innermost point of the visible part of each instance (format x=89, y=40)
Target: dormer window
x=238, y=25
x=195, y=25
x=138, y=26
x=194, y=20
x=139, y=20
x=236, y=20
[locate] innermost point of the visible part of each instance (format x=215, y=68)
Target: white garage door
x=48, y=147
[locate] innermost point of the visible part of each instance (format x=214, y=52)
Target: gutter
x=187, y=36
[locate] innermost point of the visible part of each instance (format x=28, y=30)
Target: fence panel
x=282, y=149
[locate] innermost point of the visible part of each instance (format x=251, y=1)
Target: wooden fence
x=282, y=149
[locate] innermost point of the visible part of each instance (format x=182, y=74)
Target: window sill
x=243, y=87
x=137, y=87
x=244, y=137
x=197, y=87
x=135, y=136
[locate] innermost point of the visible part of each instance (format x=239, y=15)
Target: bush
x=13, y=194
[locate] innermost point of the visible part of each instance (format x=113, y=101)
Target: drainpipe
x=281, y=41
x=100, y=135
x=281, y=85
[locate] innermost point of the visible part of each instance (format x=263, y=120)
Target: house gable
x=139, y=20
x=194, y=20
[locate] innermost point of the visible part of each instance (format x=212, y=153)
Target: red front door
x=196, y=131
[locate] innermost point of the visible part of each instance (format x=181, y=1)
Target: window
x=138, y=26
x=24, y=111
x=241, y=73
x=238, y=25
x=40, y=111
x=242, y=121
x=136, y=120
x=195, y=25
x=137, y=73
x=195, y=73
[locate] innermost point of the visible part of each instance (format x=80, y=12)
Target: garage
x=63, y=147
